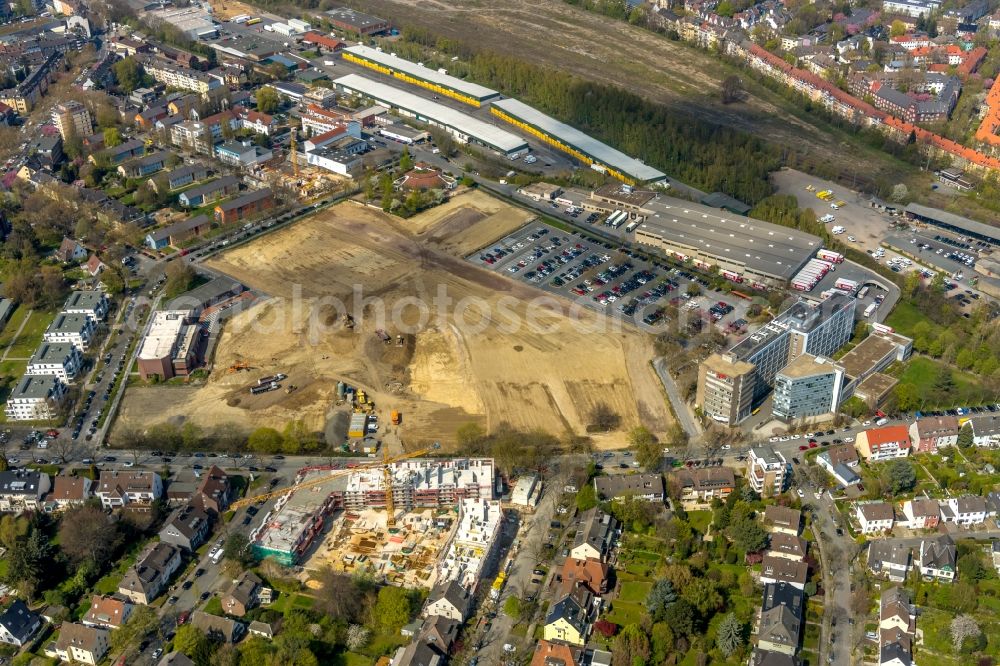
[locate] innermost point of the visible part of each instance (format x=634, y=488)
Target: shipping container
x=359, y=425
x=830, y=255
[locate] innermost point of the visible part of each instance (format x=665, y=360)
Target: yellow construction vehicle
x=239, y=365
x=386, y=461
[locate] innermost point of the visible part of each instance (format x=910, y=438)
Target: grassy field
x=636, y=591
x=20, y=346
x=905, y=316
x=922, y=372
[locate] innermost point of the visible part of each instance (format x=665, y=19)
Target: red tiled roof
x=878, y=436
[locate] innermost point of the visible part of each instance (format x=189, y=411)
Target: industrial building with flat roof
x=954, y=223
x=352, y=20
x=172, y=345
x=405, y=70
x=571, y=140
x=462, y=126
x=743, y=248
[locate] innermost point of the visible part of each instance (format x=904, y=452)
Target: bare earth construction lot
x=481, y=358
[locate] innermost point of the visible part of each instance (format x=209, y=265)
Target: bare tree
x=732, y=89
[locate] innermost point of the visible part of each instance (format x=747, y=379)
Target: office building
x=766, y=470
x=808, y=386
x=725, y=388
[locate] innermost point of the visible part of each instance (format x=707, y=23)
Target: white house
x=118, y=488
x=93, y=303
x=59, y=359
x=36, y=398
x=938, y=558
x=76, y=329
x=967, y=510
x=79, y=644
x=22, y=489
x=874, y=517
x=985, y=430
x=921, y=514
x=18, y=624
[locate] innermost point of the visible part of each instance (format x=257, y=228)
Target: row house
x=921, y=514
x=69, y=491
x=79, y=644
x=874, y=517
x=787, y=546
x=889, y=559
x=448, y=599
x=938, y=559
x=985, y=430
x=781, y=619
x=121, y=152
x=781, y=570
x=967, y=511
x=596, y=537
x=248, y=205
x=931, y=433
x=187, y=528
x=75, y=329
x=209, y=192
x=782, y=519
x=897, y=626
x=570, y=618
x=179, y=177
x=144, y=166
x=178, y=232
x=704, y=484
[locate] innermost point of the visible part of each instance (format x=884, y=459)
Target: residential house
x=187, y=527
x=931, y=433
x=222, y=628
x=895, y=653
x=568, y=619
x=36, y=398
x=985, y=430
x=938, y=558
x=921, y=514
x=22, y=489
x=782, y=570
x=109, y=612
x=141, y=167
x=596, y=537
x=966, y=510
x=178, y=232
x=255, y=121
x=432, y=644
x=120, y=488
x=80, y=644
x=242, y=596
x=179, y=177
x=250, y=204
x=890, y=559
x=18, y=624
x=782, y=519
x=93, y=303
x=995, y=554
x=788, y=546
x=94, y=266
x=70, y=251
x=874, y=517
x=209, y=192
x=70, y=491
x=883, y=443
x=593, y=574
x=780, y=618
x=555, y=654
x=448, y=599
x=647, y=487
x=767, y=658
x=767, y=470
x=175, y=659
x=75, y=329
x=120, y=153
x=243, y=154
x=214, y=492
x=261, y=629
x=147, y=578
x=895, y=610
x=704, y=484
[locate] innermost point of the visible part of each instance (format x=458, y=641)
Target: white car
x=817, y=494
x=726, y=447
x=848, y=439
x=774, y=439
x=799, y=492
x=852, y=239
x=128, y=464
x=866, y=423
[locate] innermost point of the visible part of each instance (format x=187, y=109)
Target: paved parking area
x=604, y=277
x=939, y=250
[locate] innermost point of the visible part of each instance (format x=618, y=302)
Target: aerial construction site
x=486, y=363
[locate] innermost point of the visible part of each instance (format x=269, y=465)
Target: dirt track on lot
x=479, y=358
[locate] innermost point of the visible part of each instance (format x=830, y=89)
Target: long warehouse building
x=415, y=73
x=462, y=126
x=744, y=249
x=587, y=149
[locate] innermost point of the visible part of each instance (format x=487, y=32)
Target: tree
x=902, y=476
x=630, y=645
x=86, y=532
x=237, y=549
x=900, y=192
x=747, y=534
x=405, y=161
x=392, y=609
x=732, y=89
x=180, y=278
x=647, y=449
x=27, y=563
x=265, y=440
x=268, y=100
x=340, y=596
x=128, y=73
x=12, y=529
x=963, y=627
x=586, y=498
x=192, y=641
x=730, y=635
x=680, y=617
x=602, y=417
x=703, y=594
x=512, y=607
x=357, y=637
x=661, y=595
x=141, y=623
x=112, y=137
x=897, y=28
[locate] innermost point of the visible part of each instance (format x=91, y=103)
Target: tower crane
x=386, y=471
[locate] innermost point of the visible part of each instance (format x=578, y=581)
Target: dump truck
x=395, y=417
x=359, y=426
x=257, y=390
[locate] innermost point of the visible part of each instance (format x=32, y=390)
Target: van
x=882, y=422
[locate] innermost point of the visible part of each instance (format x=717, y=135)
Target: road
x=680, y=406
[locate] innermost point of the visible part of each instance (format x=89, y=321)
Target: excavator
x=239, y=365
x=385, y=463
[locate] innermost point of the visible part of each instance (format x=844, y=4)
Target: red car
x=813, y=445
x=803, y=448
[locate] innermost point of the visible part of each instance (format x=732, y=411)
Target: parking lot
x=948, y=253
x=616, y=281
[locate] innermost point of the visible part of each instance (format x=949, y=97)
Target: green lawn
x=635, y=591
x=905, y=316
x=700, y=520
x=922, y=372
x=624, y=612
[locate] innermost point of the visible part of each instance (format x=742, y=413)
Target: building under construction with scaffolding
x=298, y=517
